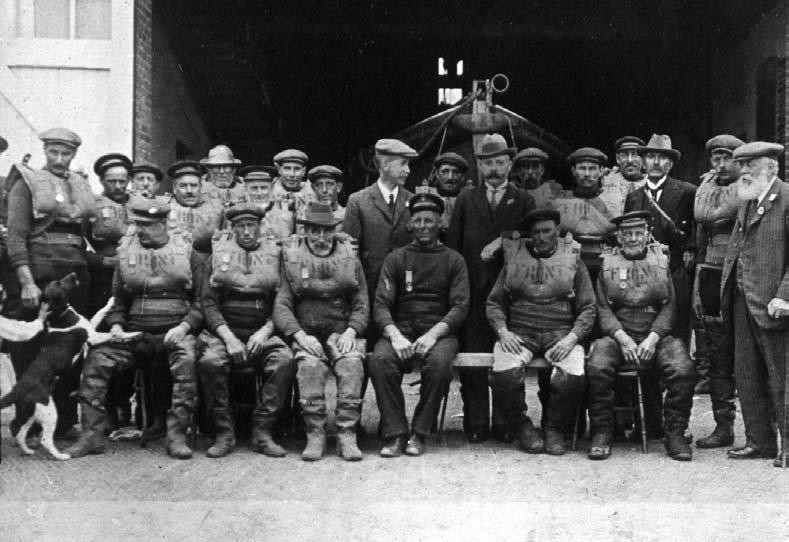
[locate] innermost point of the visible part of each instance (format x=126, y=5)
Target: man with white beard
x=755, y=298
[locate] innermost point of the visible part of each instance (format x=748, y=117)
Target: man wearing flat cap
x=541, y=305
x=670, y=203
x=221, y=183
x=377, y=216
x=189, y=210
x=715, y=210
x=450, y=171
x=755, y=298
x=322, y=308
x=146, y=179
x=479, y=217
x=291, y=193
x=635, y=307
x=421, y=300
x=242, y=278
x=156, y=290
x=528, y=173
x=583, y=212
x=326, y=182
x=48, y=210
x=626, y=176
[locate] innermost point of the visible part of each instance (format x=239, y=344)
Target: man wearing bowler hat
x=222, y=184
x=421, y=299
x=626, y=176
x=529, y=171
x=479, y=217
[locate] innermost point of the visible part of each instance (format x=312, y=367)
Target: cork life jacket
x=200, y=221
x=225, y=196
x=615, y=191
x=112, y=220
x=254, y=271
x=313, y=276
x=541, y=280
x=581, y=218
x=715, y=207
x=65, y=200
x=545, y=193
x=148, y=271
x=280, y=220
x=636, y=283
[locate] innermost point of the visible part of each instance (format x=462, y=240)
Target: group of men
x=261, y=267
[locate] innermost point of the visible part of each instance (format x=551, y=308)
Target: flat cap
x=425, y=201
x=185, y=167
x=660, y=143
x=587, y=153
x=758, y=149
x=221, y=155
x=627, y=143
x=147, y=167
x=723, y=143
x=394, y=147
x=531, y=154
x=538, y=215
x=290, y=155
x=61, y=135
x=103, y=163
x=494, y=145
x=147, y=210
x=452, y=159
x=633, y=218
x=325, y=171
x=244, y=210
x=3, y=144
x=258, y=173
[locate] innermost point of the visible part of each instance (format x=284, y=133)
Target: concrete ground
x=457, y=491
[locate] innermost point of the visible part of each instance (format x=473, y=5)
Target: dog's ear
x=69, y=282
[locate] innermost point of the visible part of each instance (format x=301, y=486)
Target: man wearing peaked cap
x=146, y=178
x=635, y=306
x=238, y=300
x=326, y=182
x=189, y=210
x=48, y=210
x=626, y=176
x=528, y=173
x=222, y=185
x=421, y=299
x=377, y=216
x=257, y=182
x=156, y=290
x=479, y=217
x=291, y=193
x=755, y=298
x=670, y=202
x=715, y=210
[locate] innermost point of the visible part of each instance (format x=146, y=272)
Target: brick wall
x=143, y=48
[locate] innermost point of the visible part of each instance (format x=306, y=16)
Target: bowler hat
x=319, y=214
x=660, y=143
x=494, y=145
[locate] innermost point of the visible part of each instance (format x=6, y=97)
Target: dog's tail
x=9, y=398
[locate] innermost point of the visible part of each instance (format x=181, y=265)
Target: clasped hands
x=512, y=344
x=406, y=349
x=637, y=353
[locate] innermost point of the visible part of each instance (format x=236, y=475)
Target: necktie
x=655, y=193
x=391, y=204
x=494, y=198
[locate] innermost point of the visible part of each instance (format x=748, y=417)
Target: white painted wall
x=85, y=85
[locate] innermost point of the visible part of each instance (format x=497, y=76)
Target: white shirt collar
x=658, y=185
x=766, y=190
x=499, y=188
x=385, y=192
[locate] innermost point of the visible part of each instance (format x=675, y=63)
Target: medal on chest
x=409, y=280
x=622, y=278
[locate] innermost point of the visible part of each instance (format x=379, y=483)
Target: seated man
x=541, y=305
x=238, y=297
x=156, y=290
x=636, y=305
x=420, y=302
x=322, y=308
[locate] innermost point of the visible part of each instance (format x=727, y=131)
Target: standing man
x=48, y=210
x=627, y=175
x=223, y=186
x=715, y=210
x=451, y=170
x=291, y=193
x=377, y=216
x=156, y=290
x=189, y=210
x=421, y=299
x=146, y=179
x=529, y=171
x=322, y=308
x=541, y=305
x=635, y=306
x=480, y=215
x=238, y=299
x=755, y=297
x=326, y=182
x=670, y=203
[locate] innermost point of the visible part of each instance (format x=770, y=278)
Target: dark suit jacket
x=677, y=201
x=369, y=221
x=760, y=248
x=471, y=228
